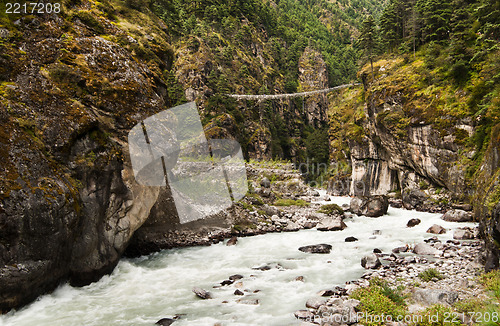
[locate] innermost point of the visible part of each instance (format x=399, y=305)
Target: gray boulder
x=331, y=224
x=315, y=303
x=430, y=297
x=436, y=229
x=413, y=198
x=425, y=249
x=373, y=206
x=317, y=249
x=370, y=262
x=463, y=234
x=457, y=215
x=304, y=314
x=202, y=293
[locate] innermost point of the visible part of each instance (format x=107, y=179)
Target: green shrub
x=377, y=299
x=438, y=315
x=491, y=282
x=429, y=274
x=331, y=209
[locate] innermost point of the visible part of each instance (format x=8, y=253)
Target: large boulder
x=317, y=249
x=436, y=229
x=463, y=234
x=315, y=303
x=457, y=215
x=430, y=297
x=373, y=206
x=413, y=222
x=331, y=224
x=412, y=198
x=425, y=249
x=370, y=262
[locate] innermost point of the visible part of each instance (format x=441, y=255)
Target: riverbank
x=410, y=289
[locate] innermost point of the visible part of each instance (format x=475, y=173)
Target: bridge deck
x=290, y=95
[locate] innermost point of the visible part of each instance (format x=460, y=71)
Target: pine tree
x=368, y=39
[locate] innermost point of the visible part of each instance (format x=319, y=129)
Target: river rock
x=270, y=210
x=235, y=277
x=238, y=292
x=463, y=234
x=232, y=241
x=432, y=296
x=304, y=314
x=265, y=182
x=317, y=249
x=400, y=249
x=315, y=303
x=351, y=239
x=413, y=222
x=373, y=206
x=165, y=322
x=436, y=229
x=331, y=224
x=248, y=301
x=457, y=215
x=412, y=198
x=425, y=249
x=202, y=293
x=370, y=262
x=291, y=227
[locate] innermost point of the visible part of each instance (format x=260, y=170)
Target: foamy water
x=141, y=291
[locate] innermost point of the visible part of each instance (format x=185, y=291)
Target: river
x=143, y=290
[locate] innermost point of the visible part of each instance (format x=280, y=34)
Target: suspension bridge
x=289, y=95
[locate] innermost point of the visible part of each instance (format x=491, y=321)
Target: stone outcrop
x=457, y=215
x=373, y=206
x=313, y=75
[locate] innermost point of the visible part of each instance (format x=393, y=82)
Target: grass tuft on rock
x=429, y=274
x=331, y=209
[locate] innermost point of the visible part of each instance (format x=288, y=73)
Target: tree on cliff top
x=368, y=39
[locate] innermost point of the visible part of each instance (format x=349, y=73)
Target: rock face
x=317, y=249
x=313, y=75
x=67, y=188
x=373, y=206
x=457, y=215
x=371, y=262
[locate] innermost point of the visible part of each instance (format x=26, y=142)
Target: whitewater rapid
x=143, y=290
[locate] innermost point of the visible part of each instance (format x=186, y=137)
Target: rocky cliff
x=412, y=136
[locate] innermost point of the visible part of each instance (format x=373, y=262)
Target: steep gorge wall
x=393, y=147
